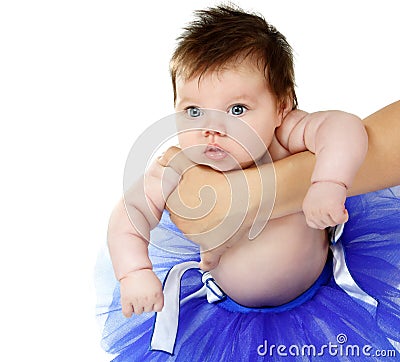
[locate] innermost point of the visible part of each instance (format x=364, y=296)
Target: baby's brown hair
x=226, y=34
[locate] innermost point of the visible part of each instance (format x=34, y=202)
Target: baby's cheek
x=188, y=139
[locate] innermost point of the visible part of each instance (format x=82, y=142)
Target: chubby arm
x=340, y=142
x=379, y=170
x=135, y=215
x=338, y=139
x=129, y=234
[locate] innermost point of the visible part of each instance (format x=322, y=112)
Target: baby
x=236, y=63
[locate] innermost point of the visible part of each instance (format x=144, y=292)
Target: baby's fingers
x=320, y=223
x=127, y=309
x=322, y=220
x=158, y=306
x=317, y=218
x=339, y=216
x=154, y=305
x=169, y=154
x=175, y=158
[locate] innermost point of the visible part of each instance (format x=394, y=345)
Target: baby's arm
x=129, y=235
x=340, y=143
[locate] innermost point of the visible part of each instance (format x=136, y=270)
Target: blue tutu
x=351, y=313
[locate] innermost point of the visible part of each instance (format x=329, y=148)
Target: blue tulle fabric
x=329, y=325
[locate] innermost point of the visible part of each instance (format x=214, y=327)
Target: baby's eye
x=194, y=112
x=237, y=110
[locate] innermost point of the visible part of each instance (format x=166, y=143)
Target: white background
x=79, y=81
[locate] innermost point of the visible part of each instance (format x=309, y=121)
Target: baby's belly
x=276, y=267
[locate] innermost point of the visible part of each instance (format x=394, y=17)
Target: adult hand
x=208, y=214
x=293, y=175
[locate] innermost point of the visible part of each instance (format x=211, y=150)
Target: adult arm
x=379, y=170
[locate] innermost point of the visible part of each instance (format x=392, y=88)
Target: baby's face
x=221, y=140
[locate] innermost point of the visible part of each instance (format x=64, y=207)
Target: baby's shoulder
x=276, y=150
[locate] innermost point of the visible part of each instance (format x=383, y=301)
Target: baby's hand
x=323, y=205
x=141, y=291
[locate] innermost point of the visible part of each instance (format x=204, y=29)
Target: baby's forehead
x=215, y=89
x=220, y=71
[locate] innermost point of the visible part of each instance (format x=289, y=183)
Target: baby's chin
x=247, y=164
x=225, y=167
x=222, y=163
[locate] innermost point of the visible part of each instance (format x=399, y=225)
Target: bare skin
x=287, y=256
x=379, y=170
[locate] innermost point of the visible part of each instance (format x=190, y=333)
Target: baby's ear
x=285, y=105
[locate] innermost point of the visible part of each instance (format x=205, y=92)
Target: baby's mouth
x=215, y=152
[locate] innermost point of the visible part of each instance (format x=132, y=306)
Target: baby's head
x=225, y=36
x=237, y=63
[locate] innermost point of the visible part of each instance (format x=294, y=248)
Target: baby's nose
x=213, y=132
